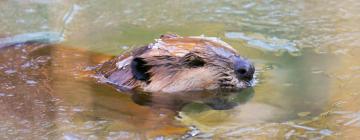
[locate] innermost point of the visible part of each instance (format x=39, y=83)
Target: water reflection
x=216, y=100
x=52, y=82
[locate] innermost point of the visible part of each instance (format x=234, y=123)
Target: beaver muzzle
x=243, y=68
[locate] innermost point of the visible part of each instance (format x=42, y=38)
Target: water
x=306, y=55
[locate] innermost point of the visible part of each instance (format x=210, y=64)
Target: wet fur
x=193, y=64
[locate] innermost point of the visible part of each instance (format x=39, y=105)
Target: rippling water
x=306, y=54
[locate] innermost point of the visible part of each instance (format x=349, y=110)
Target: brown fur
x=176, y=64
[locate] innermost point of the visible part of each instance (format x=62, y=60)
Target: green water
x=306, y=54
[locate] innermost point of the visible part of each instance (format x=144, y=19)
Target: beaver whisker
x=226, y=79
x=227, y=86
x=224, y=74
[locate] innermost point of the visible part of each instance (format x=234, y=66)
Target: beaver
x=175, y=64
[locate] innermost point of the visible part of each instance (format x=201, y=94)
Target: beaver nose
x=244, y=69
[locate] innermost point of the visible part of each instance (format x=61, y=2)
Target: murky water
x=306, y=55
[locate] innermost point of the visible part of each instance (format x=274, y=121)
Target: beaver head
x=179, y=64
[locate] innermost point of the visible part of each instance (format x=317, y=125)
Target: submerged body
x=180, y=64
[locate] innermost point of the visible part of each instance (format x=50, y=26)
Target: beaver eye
x=194, y=61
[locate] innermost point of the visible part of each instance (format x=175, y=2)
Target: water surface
x=306, y=55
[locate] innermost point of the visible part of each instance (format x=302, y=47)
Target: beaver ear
x=140, y=69
x=166, y=36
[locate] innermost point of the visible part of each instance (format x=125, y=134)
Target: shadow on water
x=215, y=100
